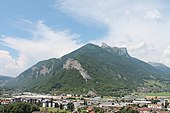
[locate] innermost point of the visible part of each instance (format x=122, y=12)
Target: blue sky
x=34, y=30
x=34, y=10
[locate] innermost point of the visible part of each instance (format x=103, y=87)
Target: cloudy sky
x=34, y=30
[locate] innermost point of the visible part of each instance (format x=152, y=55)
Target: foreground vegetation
x=128, y=110
x=19, y=108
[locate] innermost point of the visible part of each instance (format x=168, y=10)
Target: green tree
x=34, y=108
x=85, y=102
x=61, y=106
x=19, y=108
x=70, y=106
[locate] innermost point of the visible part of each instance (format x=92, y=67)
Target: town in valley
x=87, y=103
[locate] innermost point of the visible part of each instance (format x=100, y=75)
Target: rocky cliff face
x=37, y=71
x=74, y=64
x=120, y=51
x=123, y=51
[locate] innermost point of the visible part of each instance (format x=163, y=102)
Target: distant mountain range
x=162, y=67
x=103, y=70
x=5, y=78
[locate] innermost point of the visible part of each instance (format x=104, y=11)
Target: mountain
x=103, y=70
x=162, y=67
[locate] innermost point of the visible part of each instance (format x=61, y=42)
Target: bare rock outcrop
x=74, y=64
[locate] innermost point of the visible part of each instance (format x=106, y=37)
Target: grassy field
x=54, y=110
x=167, y=94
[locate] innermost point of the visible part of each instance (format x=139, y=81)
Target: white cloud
x=153, y=15
x=45, y=43
x=138, y=25
x=166, y=56
x=8, y=65
x=141, y=26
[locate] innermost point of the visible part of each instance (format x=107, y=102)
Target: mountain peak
x=89, y=45
x=120, y=51
x=104, y=45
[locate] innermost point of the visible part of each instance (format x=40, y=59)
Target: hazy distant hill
x=104, y=70
x=4, y=78
x=163, y=68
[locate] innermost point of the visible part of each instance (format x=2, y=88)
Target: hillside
x=104, y=70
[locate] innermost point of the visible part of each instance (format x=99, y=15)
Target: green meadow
x=167, y=94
